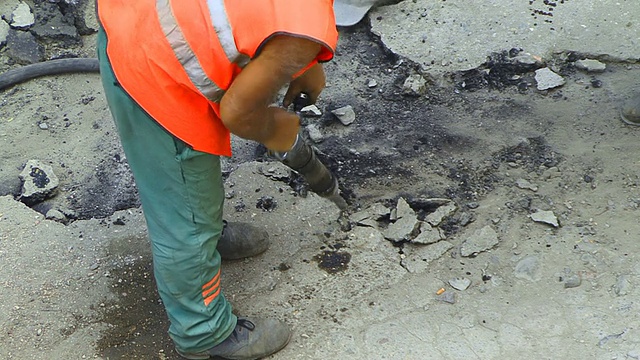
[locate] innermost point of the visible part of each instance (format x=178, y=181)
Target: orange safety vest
x=176, y=58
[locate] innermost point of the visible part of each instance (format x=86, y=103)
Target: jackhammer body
x=303, y=160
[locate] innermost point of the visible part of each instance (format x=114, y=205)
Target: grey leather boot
x=240, y=240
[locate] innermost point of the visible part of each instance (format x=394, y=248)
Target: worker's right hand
x=246, y=109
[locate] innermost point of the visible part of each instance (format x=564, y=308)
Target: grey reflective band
x=222, y=26
x=185, y=54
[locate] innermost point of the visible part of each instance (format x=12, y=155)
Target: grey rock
x=529, y=268
x=525, y=184
x=276, y=171
x=406, y=224
x=53, y=25
x=428, y=235
x=545, y=217
x=525, y=59
x=311, y=111
x=4, y=32
x=404, y=210
x=481, y=240
x=23, y=48
x=393, y=214
x=369, y=215
x=572, y=281
x=418, y=257
x=465, y=219
x=442, y=212
x=547, y=79
x=56, y=215
x=22, y=17
x=448, y=297
x=622, y=286
x=314, y=133
x=7, y=7
x=460, y=283
x=414, y=85
x=590, y=65
x=372, y=83
x=90, y=18
x=345, y=114
x=38, y=182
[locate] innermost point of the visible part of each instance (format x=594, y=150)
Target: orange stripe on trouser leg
x=209, y=299
x=211, y=289
x=208, y=291
x=210, y=283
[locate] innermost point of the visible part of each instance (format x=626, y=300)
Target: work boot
x=240, y=240
x=251, y=339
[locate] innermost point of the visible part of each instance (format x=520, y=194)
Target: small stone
x=406, y=224
x=547, y=79
x=473, y=205
x=55, y=215
x=481, y=240
x=311, y=111
x=622, y=286
x=276, y=171
x=448, y=297
x=590, y=65
x=460, y=283
x=4, y=32
x=528, y=268
x=23, y=47
x=372, y=83
x=345, y=114
x=525, y=59
x=441, y=213
x=414, y=85
x=314, y=133
x=428, y=235
x=39, y=182
x=545, y=217
x=572, y=281
x=22, y=16
x=369, y=215
x=524, y=184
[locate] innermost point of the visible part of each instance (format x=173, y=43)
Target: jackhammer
x=303, y=160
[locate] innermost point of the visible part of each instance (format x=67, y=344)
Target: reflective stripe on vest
x=185, y=54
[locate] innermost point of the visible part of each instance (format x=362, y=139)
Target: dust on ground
x=345, y=291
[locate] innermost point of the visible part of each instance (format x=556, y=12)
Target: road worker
x=181, y=76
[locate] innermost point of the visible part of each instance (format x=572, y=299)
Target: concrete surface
x=453, y=35
x=85, y=290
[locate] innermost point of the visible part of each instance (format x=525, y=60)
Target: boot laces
x=239, y=332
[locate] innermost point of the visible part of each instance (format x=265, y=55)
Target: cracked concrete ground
x=85, y=290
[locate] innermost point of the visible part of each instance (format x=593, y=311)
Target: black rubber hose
x=51, y=67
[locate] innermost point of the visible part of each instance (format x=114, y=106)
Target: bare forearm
x=245, y=109
x=270, y=126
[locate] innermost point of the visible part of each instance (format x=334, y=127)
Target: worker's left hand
x=311, y=82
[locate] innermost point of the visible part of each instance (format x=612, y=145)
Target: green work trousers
x=182, y=195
